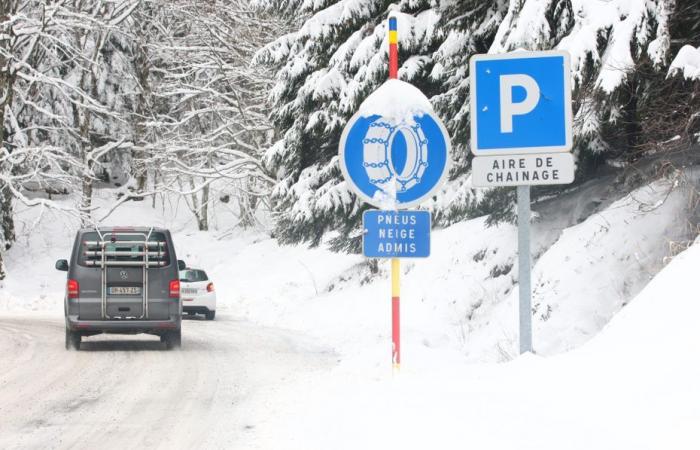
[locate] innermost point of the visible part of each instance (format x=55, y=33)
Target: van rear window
x=127, y=248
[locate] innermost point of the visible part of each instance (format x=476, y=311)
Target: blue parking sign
x=521, y=103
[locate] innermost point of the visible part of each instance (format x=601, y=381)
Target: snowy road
x=127, y=392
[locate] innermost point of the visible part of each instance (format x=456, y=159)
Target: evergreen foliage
x=241, y=99
x=325, y=70
x=620, y=54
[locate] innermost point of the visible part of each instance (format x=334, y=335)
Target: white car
x=197, y=293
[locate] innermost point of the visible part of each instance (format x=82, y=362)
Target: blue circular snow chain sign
x=379, y=156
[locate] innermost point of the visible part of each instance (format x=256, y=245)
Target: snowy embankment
x=633, y=386
x=461, y=301
x=463, y=298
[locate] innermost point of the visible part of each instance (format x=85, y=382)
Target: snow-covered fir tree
x=326, y=69
x=620, y=52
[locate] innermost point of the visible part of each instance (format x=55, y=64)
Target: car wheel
x=210, y=315
x=72, y=340
x=173, y=339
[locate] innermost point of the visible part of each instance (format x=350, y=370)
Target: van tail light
x=175, y=289
x=72, y=288
x=210, y=287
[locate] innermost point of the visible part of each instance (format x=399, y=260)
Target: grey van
x=123, y=281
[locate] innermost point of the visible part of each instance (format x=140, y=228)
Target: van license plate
x=124, y=291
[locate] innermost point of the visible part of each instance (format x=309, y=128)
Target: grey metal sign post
x=521, y=141
x=524, y=271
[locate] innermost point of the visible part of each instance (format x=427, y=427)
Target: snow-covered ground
x=634, y=386
x=121, y=392
x=629, y=387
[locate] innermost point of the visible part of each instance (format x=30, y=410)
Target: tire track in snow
x=129, y=392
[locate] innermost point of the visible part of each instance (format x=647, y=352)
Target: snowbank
x=633, y=386
x=460, y=302
x=463, y=299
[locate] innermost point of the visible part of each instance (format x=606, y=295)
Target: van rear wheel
x=72, y=340
x=172, y=339
x=210, y=315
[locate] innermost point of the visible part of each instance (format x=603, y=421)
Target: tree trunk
x=195, y=203
x=86, y=200
x=155, y=185
x=7, y=78
x=246, y=205
x=141, y=174
x=204, y=215
x=142, y=69
x=87, y=174
x=7, y=221
x=7, y=226
x=245, y=211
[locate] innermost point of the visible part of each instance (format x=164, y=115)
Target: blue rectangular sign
x=396, y=234
x=520, y=103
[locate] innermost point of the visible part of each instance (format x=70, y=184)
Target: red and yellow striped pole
x=393, y=49
x=395, y=313
x=395, y=262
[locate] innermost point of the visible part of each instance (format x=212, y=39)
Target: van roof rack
x=152, y=255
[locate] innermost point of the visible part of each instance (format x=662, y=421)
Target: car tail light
x=175, y=289
x=73, y=288
x=210, y=287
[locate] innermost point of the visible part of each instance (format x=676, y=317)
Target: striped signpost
x=393, y=49
x=395, y=262
x=406, y=159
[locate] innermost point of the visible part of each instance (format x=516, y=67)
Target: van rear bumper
x=125, y=326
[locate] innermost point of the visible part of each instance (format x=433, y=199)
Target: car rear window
x=192, y=276
x=122, y=243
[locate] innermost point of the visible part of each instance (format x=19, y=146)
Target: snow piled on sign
x=397, y=101
x=687, y=62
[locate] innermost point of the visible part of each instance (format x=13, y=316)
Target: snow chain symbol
x=377, y=154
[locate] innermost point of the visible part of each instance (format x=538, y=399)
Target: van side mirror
x=181, y=265
x=62, y=265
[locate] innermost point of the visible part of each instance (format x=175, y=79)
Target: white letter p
x=510, y=109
